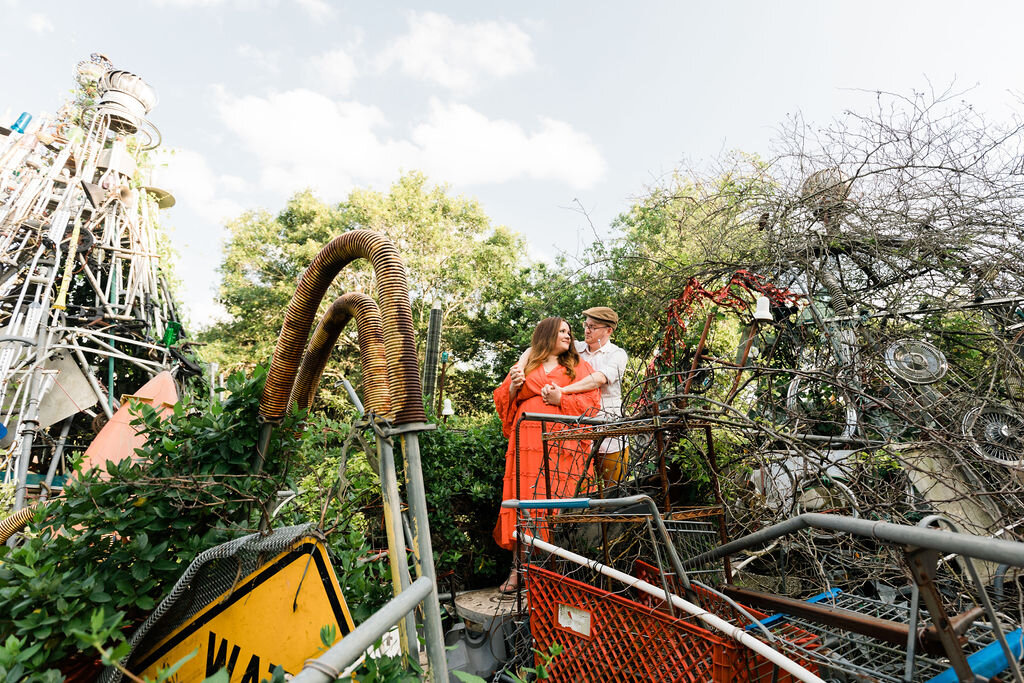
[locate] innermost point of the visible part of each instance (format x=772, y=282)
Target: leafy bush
x=121, y=540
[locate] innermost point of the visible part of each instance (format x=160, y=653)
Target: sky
x=555, y=116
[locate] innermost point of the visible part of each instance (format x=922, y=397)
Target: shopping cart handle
x=988, y=661
x=547, y=504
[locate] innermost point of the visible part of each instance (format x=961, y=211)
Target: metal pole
x=979, y=547
x=353, y=396
x=328, y=667
x=400, y=578
x=262, y=445
x=58, y=454
x=416, y=493
x=214, y=366
x=433, y=348
x=30, y=421
x=673, y=554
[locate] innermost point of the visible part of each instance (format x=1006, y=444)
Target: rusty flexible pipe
x=16, y=522
x=399, y=345
x=371, y=352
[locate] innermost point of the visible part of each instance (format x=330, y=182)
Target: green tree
x=453, y=255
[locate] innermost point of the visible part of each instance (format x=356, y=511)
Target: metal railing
x=330, y=665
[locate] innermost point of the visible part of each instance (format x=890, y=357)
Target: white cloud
x=188, y=3
x=233, y=183
x=40, y=23
x=318, y=142
x=334, y=71
x=458, y=56
x=334, y=145
x=186, y=174
x=461, y=145
x=268, y=61
x=317, y=9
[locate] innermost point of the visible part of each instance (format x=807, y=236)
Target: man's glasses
x=588, y=326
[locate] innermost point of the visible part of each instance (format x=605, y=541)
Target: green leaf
x=467, y=677
x=166, y=674
x=219, y=677
x=140, y=570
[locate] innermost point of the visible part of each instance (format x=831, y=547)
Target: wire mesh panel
x=607, y=636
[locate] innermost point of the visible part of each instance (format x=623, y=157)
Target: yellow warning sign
x=271, y=618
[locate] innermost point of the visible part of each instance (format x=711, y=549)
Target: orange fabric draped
x=566, y=459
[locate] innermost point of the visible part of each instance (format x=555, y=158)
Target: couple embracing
x=559, y=376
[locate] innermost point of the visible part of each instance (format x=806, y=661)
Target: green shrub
x=121, y=541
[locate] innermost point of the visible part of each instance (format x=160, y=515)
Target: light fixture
x=447, y=410
x=763, y=311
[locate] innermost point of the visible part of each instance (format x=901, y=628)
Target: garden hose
x=15, y=523
x=371, y=352
x=403, y=375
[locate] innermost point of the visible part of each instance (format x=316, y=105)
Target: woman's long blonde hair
x=545, y=338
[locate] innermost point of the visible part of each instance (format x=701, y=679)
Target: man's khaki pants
x=612, y=466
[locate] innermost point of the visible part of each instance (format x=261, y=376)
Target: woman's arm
x=580, y=402
x=553, y=393
x=505, y=403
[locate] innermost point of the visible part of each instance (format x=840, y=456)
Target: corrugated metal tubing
x=399, y=345
x=15, y=523
x=371, y=352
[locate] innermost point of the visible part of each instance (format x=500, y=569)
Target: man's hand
x=552, y=394
x=518, y=378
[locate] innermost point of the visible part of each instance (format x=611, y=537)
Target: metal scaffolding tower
x=85, y=308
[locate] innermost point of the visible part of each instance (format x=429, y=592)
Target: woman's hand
x=518, y=378
x=552, y=394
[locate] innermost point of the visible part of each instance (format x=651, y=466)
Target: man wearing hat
x=609, y=363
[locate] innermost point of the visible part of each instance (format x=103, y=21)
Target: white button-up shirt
x=610, y=361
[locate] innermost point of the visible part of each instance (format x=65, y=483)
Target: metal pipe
x=400, y=577
x=30, y=423
x=416, y=493
x=150, y=367
x=908, y=666
x=353, y=396
x=854, y=622
x=657, y=556
x=328, y=666
x=100, y=396
x=754, y=621
x=715, y=622
x=673, y=554
x=433, y=348
x=262, y=445
x=58, y=454
x=982, y=548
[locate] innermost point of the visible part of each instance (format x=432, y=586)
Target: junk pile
x=845, y=407
x=86, y=315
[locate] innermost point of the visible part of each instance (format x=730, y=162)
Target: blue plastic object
x=988, y=661
x=3, y=430
x=554, y=504
x=22, y=123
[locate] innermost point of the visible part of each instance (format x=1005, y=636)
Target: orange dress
x=566, y=459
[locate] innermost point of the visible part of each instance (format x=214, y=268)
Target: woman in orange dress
x=552, y=359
